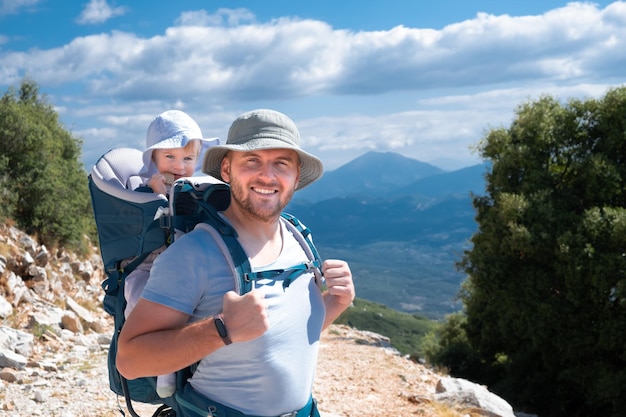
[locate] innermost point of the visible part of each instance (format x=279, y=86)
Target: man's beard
x=264, y=213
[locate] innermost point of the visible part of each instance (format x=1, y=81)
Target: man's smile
x=264, y=190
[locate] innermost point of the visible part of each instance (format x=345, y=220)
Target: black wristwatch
x=221, y=329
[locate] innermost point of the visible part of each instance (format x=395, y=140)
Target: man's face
x=262, y=182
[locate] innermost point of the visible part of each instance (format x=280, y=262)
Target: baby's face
x=180, y=162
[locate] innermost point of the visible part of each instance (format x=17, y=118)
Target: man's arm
x=340, y=293
x=149, y=342
x=157, y=340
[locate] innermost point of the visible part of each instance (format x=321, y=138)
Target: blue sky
x=423, y=79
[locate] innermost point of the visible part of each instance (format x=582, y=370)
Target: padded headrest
x=116, y=173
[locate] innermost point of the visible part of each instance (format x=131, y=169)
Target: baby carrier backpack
x=132, y=224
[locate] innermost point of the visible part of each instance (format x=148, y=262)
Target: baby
x=174, y=147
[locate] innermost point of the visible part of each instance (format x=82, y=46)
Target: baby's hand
x=157, y=183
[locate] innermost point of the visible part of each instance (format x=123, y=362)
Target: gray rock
x=6, y=309
x=10, y=359
x=457, y=391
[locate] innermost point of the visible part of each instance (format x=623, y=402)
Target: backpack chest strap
x=291, y=273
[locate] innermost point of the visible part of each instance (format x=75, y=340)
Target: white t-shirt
x=270, y=375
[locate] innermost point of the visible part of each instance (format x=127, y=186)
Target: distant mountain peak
x=372, y=172
x=384, y=161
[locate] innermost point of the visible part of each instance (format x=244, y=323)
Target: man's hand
x=340, y=293
x=339, y=281
x=245, y=316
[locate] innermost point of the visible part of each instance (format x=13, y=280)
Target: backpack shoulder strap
x=304, y=237
x=305, y=234
x=226, y=239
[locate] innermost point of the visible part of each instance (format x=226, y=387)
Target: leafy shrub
x=43, y=185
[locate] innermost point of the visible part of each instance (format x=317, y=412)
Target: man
x=258, y=351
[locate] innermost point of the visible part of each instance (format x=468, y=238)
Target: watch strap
x=221, y=329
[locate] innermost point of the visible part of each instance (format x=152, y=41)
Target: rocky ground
x=54, y=339
x=356, y=377
x=67, y=377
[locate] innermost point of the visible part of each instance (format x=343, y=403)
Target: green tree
x=447, y=346
x=545, y=297
x=42, y=181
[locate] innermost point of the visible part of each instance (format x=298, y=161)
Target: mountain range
x=402, y=225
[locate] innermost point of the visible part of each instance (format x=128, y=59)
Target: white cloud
x=231, y=17
x=421, y=92
x=198, y=18
x=16, y=6
x=289, y=58
x=98, y=11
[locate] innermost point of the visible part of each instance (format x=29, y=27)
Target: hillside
x=54, y=341
x=400, y=223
